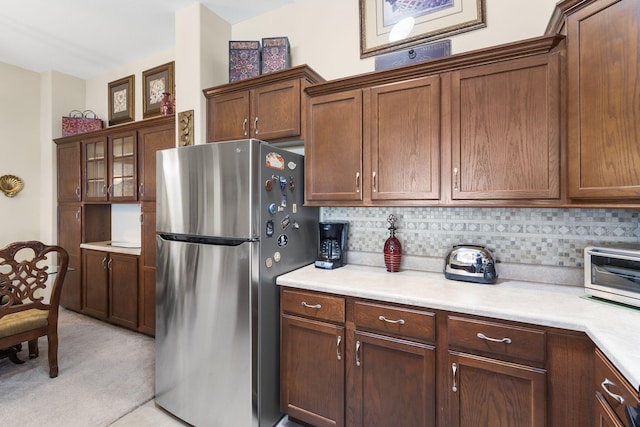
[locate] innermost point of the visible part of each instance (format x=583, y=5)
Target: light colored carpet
x=105, y=372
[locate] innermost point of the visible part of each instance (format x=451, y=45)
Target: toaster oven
x=613, y=273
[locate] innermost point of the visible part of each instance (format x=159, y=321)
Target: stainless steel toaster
x=470, y=263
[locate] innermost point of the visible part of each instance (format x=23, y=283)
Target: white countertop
x=611, y=327
x=127, y=248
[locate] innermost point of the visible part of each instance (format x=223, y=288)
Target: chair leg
x=12, y=354
x=53, y=354
x=34, y=351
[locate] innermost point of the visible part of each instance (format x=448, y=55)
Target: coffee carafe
x=332, y=250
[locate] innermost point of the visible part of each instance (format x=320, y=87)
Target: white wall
x=19, y=142
x=326, y=34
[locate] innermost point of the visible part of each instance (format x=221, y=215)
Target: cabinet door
x=275, y=110
x=405, y=140
x=505, y=130
x=312, y=371
x=150, y=140
x=605, y=417
x=488, y=392
x=122, y=167
x=228, y=117
x=391, y=382
x=94, y=159
x=147, y=281
x=69, y=185
x=603, y=101
x=123, y=289
x=333, y=157
x=70, y=237
x=95, y=282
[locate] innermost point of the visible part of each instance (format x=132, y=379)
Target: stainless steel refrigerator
x=229, y=221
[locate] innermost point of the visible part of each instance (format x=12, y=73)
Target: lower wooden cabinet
x=110, y=287
x=147, y=280
x=390, y=382
x=346, y=361
x=312, y=367
x=489, y=392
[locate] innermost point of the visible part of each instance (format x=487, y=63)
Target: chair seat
x=23, y=321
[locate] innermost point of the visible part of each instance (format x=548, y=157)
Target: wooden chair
x=26, y=310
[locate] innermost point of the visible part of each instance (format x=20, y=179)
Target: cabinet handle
x=78, y=214
x=605, y=386
x=244, y=127
x=104, y=263
x=374, y=185
x=357, y=353
x=317, y=306
x=109, y=263
x=357, y=182
x=338, y=347
x=78, y=193
x=455, y=179
x=484, y=337
x=104, y=190
x=141, y=189
x=255, y=126
x=454, y=368
x=141, y=218
x=384, y=319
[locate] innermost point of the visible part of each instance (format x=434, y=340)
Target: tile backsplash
x=552, y=237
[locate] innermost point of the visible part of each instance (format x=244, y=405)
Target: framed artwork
x=433, y=19
x=121, y=100
x=156, y=81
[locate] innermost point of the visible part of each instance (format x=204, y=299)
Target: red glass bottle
x=392, y=248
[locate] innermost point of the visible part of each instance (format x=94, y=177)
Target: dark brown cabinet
x=69, y=172
x=505, y=130
x=489, y=392
x=612, y=393
x=147, y=280
x=110, y=167
x=270, y=107
x=70, y=237
x=603, y=81
x=150, y=140
x=391, y=374
x=312, y=366
x=111, y=287
x=334, y=157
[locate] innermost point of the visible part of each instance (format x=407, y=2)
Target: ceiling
x=86, y=38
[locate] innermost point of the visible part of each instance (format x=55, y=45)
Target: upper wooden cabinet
x=481, y=126
x=333, y=156
x=603, y=45
x=150, y=140
x=505, y=130
x=69, y=172
x=109, y=165
x=269, y=107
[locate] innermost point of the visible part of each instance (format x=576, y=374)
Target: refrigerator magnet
x=275, y=161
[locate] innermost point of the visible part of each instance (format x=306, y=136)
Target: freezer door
x=203, y=332
x=208, y=189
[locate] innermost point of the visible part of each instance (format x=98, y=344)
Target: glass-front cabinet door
x=95, y=169
x=122, y=167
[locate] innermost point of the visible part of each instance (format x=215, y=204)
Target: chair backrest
x=24, y=276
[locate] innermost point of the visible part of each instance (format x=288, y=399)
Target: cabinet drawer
x=395, y=320
x=611, y=385
x=313, y=305
x=512, y=342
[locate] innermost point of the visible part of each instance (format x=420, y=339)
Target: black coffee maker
x=332, y=252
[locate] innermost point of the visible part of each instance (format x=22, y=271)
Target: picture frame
x=155, y=82
x=449, y=17
x=121, y=100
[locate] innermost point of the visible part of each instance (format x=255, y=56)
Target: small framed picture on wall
x=156, y=82
x=121, y=100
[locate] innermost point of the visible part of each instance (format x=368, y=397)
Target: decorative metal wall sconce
x=10, y=185
x=185, y=128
